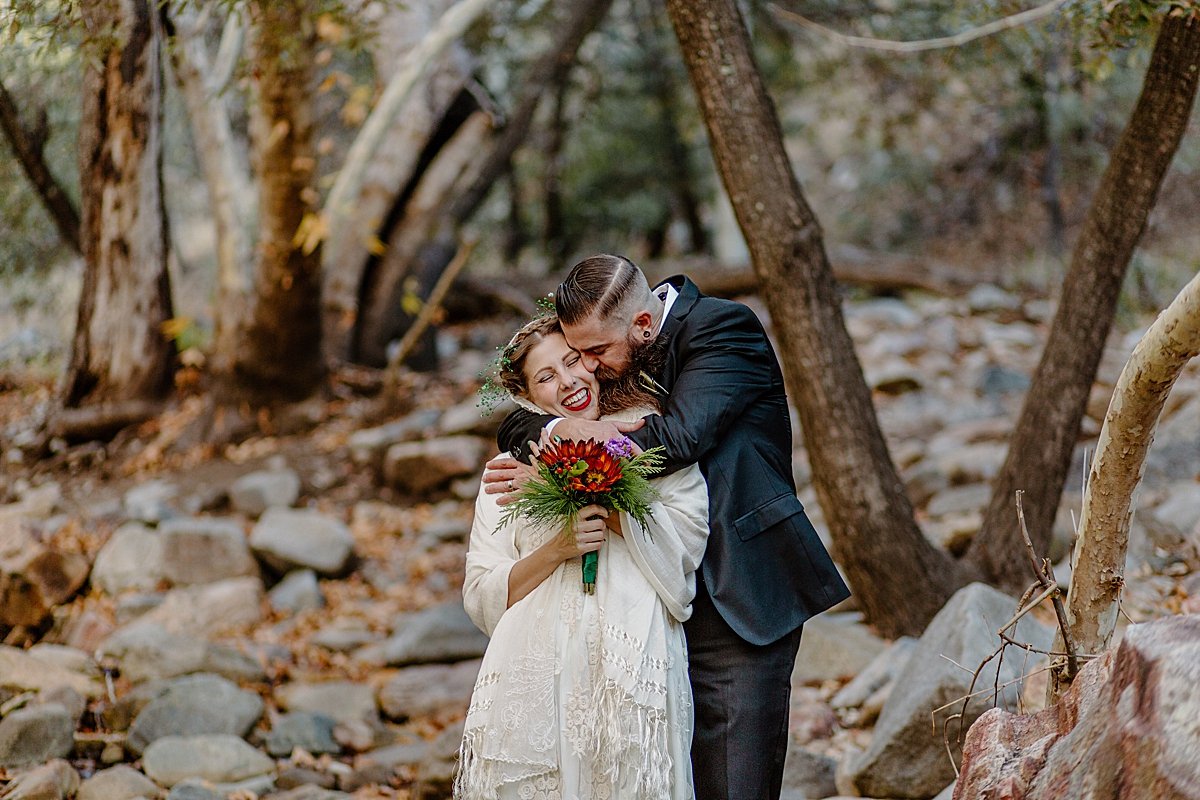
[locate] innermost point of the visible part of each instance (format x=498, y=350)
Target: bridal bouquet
x=571, y=475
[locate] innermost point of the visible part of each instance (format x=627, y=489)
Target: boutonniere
x=654, y=386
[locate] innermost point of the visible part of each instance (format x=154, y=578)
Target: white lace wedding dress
x=585, y=697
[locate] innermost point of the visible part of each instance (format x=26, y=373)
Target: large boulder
x=204, y=550
x=1126, y=729
x=419, y=467
x=193, y=705
x=287, y=539
x=907, y=757
x=835, y=646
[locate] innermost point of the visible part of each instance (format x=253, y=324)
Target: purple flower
x=621, y=447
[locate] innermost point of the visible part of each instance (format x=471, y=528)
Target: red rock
x=1126, y=729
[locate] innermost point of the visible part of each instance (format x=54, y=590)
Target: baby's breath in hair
x=500, y=380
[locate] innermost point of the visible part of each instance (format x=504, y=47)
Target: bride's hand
x=588, y=534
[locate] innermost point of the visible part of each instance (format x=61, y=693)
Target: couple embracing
x=673, y=680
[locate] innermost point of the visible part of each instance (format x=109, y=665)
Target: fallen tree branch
x=391, y=380
x=1041, y=568
x=920, y=45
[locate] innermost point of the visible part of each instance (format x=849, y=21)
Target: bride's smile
x=558, y=381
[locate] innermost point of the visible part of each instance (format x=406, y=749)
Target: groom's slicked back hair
x=598, y=286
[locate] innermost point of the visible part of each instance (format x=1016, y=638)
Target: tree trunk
x=27, y=146
x=1039, y=453
x=549, y=70
x=119, y=351
x=278, y=342
x=680, y=175
x=396, y=286
x=225, y=176
x=900, y=579
x=1098, y=566
x=392, y=149
x=554, y=234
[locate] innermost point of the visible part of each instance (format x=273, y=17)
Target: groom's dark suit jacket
x=765, y=567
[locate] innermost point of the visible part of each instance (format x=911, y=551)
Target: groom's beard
x=628, y=388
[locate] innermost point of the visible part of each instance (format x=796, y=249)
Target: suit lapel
x=689, y=293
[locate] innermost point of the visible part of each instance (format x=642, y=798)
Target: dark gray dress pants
x=742, y=694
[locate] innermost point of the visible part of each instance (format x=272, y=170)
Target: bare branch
x=938, y=43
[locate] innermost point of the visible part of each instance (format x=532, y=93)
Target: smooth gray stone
x=298, y=591
x=287, y=539
x=36, y=734
x=255, y=492
x=309, y=731
x=907, y=756
x=218, y=758
x=342, y=701
x=193, y=705
x=439, y=635
x=121, y=782
x=204, y=550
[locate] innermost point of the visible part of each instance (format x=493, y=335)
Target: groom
x=765, y=570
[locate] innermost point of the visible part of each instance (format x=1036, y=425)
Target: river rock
x=255, y=492
x=210, y=608
x=118, y=783
x=906, y=759
x=150, y=502
x=342, y=701
x=22, y=671
x=429, y=689
x=419, y=467
x=808, y=775
x=34, y=578
x=130, y=559
x=55, y=780
x=193, y=705
x=298, y=591
x=1126, y=728
x=960, y=499
x=311, y=732
x=880, y=672
x=288, y=539
x=35, y=734
x=441, y=634
x=204, y=550
x=368, y=446
x=435, y=775
x=147, y=651
x=219, y=758
x=835, y=646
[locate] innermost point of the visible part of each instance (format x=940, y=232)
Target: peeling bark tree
x=119, y=352
x=1039, y=453
x=900, y=579
x=1098, y=564
x=221, y=163
x=278, y=343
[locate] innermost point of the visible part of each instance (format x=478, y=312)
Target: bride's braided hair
x=513, y=354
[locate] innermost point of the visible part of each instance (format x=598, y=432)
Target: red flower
x=585, y=466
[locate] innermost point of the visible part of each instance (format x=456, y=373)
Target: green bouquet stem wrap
x=591, y=562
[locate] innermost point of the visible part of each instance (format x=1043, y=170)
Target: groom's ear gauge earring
x=645, y=334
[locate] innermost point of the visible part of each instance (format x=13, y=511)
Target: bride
x=581, y=696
